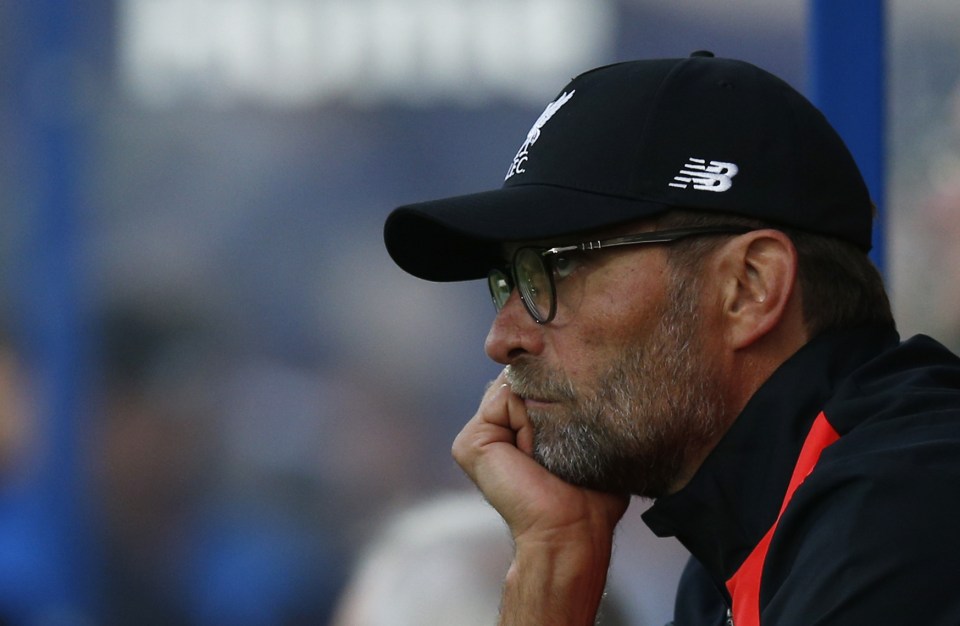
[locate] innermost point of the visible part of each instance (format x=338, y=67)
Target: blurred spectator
x=182, y=544
x=942, y=215
x=15, y=426
x=22, y=558
x=232, y=484
x=438, y=563
x=152, y=457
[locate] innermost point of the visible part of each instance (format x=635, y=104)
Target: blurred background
x=215, y=387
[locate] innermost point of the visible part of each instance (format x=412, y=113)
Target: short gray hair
x=839, y=285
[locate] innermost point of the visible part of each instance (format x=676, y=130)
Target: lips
x=529, y=393
x=527, y=381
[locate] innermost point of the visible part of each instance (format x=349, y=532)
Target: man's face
x=619, y=387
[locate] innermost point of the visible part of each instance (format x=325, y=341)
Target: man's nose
x=513, y=333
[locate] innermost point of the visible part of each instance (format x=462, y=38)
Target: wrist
x=559, y=582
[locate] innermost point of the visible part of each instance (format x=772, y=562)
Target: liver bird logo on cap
x=523, y=153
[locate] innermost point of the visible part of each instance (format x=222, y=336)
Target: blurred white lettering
x=368, y=52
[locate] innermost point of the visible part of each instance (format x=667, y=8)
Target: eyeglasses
x=536, y=270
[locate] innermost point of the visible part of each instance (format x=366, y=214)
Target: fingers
x=520, y=423
x=491, y=424
x=495, y=450
x=500, y=418
x=495, y=446
x=514, y=413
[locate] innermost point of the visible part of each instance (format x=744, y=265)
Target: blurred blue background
x=214, y=384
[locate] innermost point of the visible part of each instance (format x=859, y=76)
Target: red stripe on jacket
x=744, y=585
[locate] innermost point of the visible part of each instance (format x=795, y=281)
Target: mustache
x=531, y=379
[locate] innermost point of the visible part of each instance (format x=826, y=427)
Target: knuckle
x=461, y=448
x=457, y=448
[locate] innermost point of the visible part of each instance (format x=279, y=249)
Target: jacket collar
x=735, y=496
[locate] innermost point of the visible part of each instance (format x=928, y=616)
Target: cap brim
x=460, y=238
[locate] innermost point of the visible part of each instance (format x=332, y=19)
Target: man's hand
x=563, y=533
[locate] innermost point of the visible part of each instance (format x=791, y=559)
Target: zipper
x=729, y=621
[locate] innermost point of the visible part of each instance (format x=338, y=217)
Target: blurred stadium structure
x=214, y=381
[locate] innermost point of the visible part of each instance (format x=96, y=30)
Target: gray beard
x=653, y=408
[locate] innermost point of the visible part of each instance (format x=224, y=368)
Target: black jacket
x=871, y=534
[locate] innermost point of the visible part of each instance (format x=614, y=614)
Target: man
x=686, y=312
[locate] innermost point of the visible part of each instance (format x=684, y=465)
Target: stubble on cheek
x=573, y=436
x=632, y=426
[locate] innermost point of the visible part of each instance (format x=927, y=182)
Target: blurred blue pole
x=847, y=54
x=50, y=284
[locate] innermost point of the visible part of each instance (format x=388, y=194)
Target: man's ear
x=757, y=272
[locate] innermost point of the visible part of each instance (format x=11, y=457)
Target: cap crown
x=701, y=133
x=633, y=140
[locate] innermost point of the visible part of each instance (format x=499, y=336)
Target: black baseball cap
x=634, y=140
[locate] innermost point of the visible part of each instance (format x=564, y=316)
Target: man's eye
x=565, y=264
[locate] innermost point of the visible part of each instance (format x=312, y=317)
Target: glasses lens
x=533, y=281
x=500, y=288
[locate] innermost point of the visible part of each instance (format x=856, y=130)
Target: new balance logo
x=718, y=176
